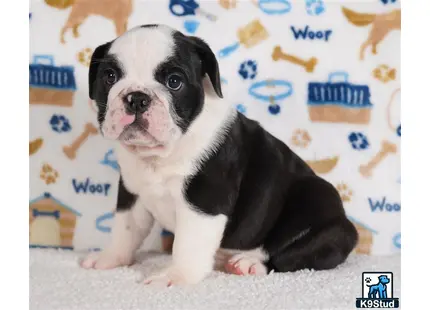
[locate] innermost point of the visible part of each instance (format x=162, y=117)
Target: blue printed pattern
x=50, y=76
x=241, y=108
x=388, y=1
x=307, y=33
x=343, y=94
x=248, y=69
x=60, y=123
x=358, y=141
x=89, y=187
x=294, y=66
x=315, y=7
x=274, y=7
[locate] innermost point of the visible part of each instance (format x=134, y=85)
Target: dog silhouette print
x=379, y=290
x=382, y=25
x=116, y=10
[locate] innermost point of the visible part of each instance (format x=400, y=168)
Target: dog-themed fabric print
x=48, y=174
x=60, y=123
x=181, y=8
x=324, y=165
x=308, y=65
x=384, y=73
x=51, y=84
x=339, y=102
x=393, y=107
x=228, y=4
x=301, y=138
x=52, y=223
x=381, y=26
x=327, y=83
x=250, y=35
x=118, y=11
x=35, y=145
x=71, y=150
x=84, y=56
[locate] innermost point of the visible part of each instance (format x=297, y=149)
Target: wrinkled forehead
x=140, y=50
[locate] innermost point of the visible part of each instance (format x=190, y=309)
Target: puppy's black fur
x=271, y=197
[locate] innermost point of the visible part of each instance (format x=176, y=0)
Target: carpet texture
x=57, y=282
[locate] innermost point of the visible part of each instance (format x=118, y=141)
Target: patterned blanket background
x=323, y=76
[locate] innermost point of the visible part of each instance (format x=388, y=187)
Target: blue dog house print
x=52, y=223
x=339, y=102
x=50, y=84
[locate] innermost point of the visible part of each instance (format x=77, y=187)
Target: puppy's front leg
x=197, y=238
x=132, y=224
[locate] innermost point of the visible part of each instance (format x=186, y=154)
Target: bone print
x=72, y=149
x=386, y=148
x=309, y=65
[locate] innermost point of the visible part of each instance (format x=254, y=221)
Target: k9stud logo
x=377, y=291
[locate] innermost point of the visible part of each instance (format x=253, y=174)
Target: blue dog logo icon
x=379, y=290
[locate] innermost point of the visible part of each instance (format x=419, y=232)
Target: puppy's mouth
x=136, y=138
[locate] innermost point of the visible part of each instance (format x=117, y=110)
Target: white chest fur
x=158, y=183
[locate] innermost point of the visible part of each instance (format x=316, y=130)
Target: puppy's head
x=149, y=85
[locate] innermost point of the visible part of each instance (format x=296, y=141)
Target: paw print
x=48, y=174
x=84, y=56
x=344, y=191
x=248, y=69
x=384, y=73
x=301, y=138
x=358, y=141
x=315, y=7
x=241, y=108
x=60, y=123
x=368, y=280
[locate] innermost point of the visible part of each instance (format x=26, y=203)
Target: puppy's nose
x=137, y=102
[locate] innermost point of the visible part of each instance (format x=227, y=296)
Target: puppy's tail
x=358, y=19
x=59, y=4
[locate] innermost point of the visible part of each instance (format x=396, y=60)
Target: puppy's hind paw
x=242, y=264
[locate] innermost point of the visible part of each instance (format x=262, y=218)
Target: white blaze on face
x=139, y=52
x=116, y=118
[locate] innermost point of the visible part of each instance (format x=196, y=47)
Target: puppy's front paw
x=172, y=276
x=106, y=259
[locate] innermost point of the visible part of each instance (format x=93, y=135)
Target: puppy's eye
x=110, y=76
x=174, y=81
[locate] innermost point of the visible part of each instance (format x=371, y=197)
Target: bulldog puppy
x=229, y=190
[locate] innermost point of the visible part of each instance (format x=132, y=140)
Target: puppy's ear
x=209, y=63
x=96, y=58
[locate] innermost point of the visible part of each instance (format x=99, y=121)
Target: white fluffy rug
x=57, y=282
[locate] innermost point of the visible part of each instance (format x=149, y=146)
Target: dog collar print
x=255, y=90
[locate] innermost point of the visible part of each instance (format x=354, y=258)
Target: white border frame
x=14, y=126
x=415, y=152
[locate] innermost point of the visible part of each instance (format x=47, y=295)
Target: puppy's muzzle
x=136, y=102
